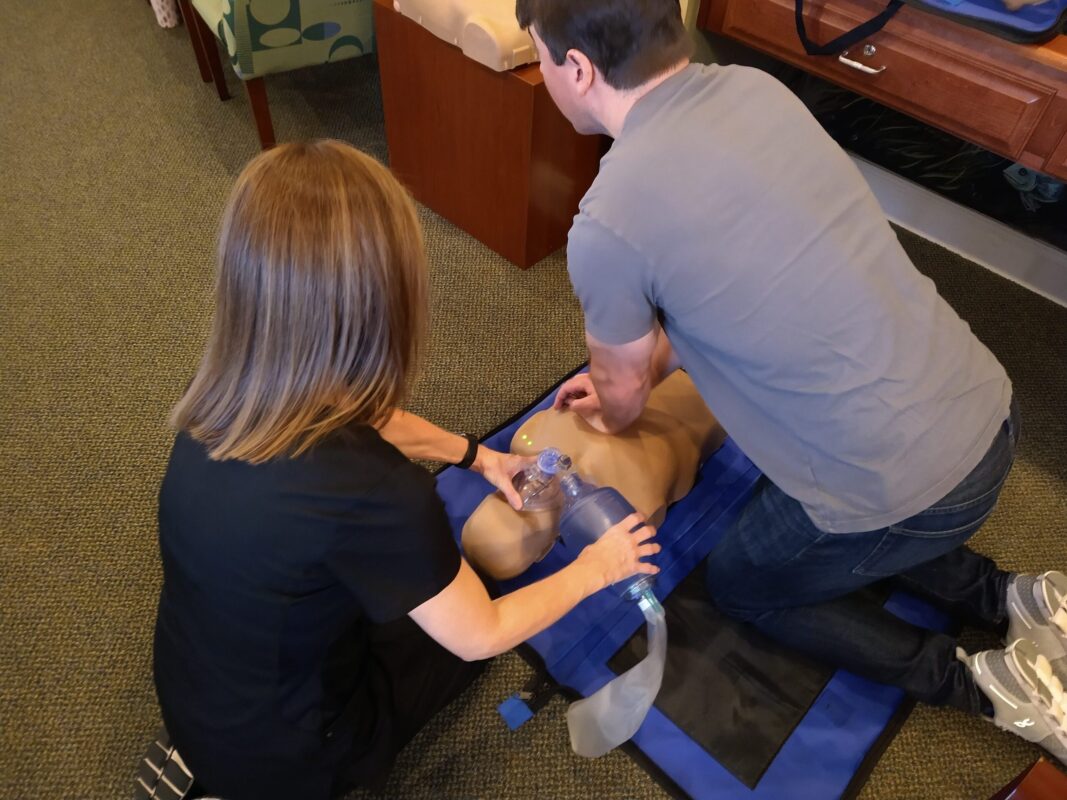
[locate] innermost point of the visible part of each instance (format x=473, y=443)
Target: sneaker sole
x=1054, y=594
x=1032, y=669
x=1048, y=630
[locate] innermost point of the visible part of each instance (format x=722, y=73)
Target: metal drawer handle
x=848, y=62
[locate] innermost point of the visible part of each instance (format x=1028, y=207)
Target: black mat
x=733, y=691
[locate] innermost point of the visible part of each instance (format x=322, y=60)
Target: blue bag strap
x=845, y=40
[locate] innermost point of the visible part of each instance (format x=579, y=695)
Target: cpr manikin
x=653, y=463
x=647, y=467
x=485, y=30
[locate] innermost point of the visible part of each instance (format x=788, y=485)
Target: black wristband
x=472, y=451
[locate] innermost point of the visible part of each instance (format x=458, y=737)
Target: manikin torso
x=653, y=463
x=485, y=30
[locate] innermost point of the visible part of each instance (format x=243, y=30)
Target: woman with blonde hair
x=315, y=610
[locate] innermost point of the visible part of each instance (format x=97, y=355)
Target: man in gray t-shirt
x=728, y=234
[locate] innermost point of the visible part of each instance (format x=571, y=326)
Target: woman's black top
x=272, y=575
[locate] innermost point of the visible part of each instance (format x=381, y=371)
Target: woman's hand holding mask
x=500, y=469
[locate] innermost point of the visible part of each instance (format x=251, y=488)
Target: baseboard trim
x=984, y=240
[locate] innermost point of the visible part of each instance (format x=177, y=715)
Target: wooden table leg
x=257, y=96
x=211, y=52
x=194, y=39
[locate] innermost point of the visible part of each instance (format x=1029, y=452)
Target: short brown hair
x=629, y=41
x=320, y=304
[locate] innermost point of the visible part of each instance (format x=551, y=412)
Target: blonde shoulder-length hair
x=320, y=304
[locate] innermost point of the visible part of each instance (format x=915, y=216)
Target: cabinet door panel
x=963, y=94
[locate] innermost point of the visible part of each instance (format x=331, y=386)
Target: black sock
x=987, y=707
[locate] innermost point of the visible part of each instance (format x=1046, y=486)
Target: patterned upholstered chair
x=265, y=36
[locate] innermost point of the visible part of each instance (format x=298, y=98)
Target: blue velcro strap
x=515, y=712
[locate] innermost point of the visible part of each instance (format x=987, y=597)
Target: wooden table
x=1008, y=98
x=487, y=150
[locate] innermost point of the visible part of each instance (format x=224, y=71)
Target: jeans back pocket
x=902, y=548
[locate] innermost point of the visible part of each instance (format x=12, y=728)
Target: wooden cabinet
x=1008, y=98
x=488, y=151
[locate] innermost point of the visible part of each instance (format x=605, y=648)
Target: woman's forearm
x=418, y=438
x=463, y=619
x=531, y=609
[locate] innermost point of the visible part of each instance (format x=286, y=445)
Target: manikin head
x=598, y=57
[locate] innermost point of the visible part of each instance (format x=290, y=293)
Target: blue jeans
x=799, y=585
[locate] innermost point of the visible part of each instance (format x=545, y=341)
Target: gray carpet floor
x=116, y=161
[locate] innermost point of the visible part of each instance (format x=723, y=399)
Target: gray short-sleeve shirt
x=724, y=208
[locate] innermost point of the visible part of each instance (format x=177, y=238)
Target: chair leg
x=257, y=95
x=194, y=39
x=211, y=50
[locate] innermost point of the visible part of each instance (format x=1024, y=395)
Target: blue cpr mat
x=838, y=736
x=1033, y=23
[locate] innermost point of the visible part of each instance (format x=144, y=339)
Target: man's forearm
x=664, y=359
x=624, y=382
x=622, y=396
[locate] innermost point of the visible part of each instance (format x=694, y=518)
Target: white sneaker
x=1037, y=612
x=1027, y=698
